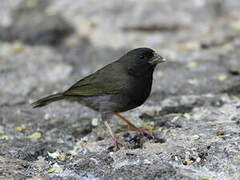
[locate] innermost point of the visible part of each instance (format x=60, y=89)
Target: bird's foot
x=142, y=131
x=132, y=127
x=119, y=143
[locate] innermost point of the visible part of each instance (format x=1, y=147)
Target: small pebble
x=206, y=177
x=36, y=135
x=18, y=47
x=39, y=175
x=39, y=169
x=54, y=155
x=148, y=127
x=195, y=137
x=146, y=161
x=220, y=132
x=187, y=162
x=55, y=169
x=95, y=122
x=47, y=116
x=62, y=157
x=198, y=159
x=187, y=116
x=4, y=137
x=21, y=128
x=222, y=77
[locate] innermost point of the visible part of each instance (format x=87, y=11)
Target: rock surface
x=193, y=110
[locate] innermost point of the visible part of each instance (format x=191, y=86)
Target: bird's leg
x=105, y=117
x=133, y=127
x=118, y=142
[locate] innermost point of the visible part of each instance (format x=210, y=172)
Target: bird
x=117, y=87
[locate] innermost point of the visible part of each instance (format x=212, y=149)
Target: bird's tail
x=47, y=100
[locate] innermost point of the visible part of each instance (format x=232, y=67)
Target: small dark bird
x=119, y=86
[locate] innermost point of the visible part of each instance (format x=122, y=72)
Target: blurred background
x=49, y=44
x=45, y=46
x=46, y=42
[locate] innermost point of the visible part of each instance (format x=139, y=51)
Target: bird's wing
x=108, y=80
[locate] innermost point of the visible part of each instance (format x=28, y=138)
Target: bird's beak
x=156, y=59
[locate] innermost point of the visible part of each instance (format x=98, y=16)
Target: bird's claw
x=118, y=142
x=143, y=131
x=146, y=133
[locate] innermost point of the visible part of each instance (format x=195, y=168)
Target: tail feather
x=47, y=100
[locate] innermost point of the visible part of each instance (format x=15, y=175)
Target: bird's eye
x=141, y=57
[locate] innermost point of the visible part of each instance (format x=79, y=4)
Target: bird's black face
x=142, y=60
x=144, y=56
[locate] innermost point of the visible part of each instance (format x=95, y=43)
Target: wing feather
x=108, y=80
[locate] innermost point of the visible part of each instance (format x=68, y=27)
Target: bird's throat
x=142, y=71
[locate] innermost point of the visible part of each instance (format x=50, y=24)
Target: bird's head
x=142, y=60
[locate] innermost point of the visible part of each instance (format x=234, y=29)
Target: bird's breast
x=139, y=91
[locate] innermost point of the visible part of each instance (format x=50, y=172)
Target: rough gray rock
x=193, y=109
x=32, y=24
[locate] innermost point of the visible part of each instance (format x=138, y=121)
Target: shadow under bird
x=117, y=87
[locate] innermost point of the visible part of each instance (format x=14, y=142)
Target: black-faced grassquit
x=117, y=87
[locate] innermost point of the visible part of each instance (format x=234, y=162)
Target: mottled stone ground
x=194, y=109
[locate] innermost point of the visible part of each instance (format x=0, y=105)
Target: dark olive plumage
x=119, y=86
